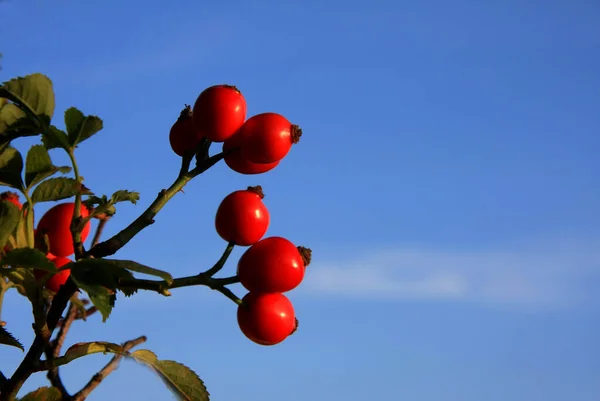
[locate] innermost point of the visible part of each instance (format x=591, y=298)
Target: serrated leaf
x=99, y=278
x=140, y=268
x=55, y=189
x=102, y=272
x=181, y=380
x=124, y=195
x=43, y=394
x=38, y=165
x=8, y=339
x=9, y=115
x=79, y=350
x=11, y=160
x=9, y=219
x=33, y=92
x=15, y=123
x=11, y=167
x=55, y=138
x=29, y=258
x=102, y=298
x=79, y=126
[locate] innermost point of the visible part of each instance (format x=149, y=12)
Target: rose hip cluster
x=270, y=267
x=55, y=224
x=252, y=146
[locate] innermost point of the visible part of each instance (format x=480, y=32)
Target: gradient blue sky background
x=448, y=182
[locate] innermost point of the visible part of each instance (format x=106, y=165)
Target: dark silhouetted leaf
x=8, y=339
x=9, y=219
x=99, y=278
x=137, y=267
x=55, y=138
x=43, y=394
x=11, y=167
x=29, y=258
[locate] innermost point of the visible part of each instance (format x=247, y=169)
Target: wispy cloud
x=543, y=275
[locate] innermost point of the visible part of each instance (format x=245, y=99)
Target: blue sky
x=447, y=182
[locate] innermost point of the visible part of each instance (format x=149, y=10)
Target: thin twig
x=99, y=230
x=53, y=351
x=80, y=315
x=106, y=370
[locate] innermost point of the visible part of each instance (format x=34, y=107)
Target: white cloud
x=542, y=275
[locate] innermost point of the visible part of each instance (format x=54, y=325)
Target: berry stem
x=221, y=262
x=119, y=240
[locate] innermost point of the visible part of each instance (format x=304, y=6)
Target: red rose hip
x=268, y=137
x=219, y=111
x=242, y=217
x=56, y=224
x=266, y=319
x=273, y=264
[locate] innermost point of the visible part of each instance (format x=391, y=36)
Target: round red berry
x=273, y=264
x=219, y=111
x=268, y=137
x=242, y=217
x=184, y=136
x=56, y=224
x=266, y=319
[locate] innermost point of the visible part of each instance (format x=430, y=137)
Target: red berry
x=58, y=279
x=184, y=136
x=273, y=264
x=11, y=197
x=266, y=319
x=242, y=217
x=268, y=137
x=56, y=224
x=219, y=112
x=238, y=163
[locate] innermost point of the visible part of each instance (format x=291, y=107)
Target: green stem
x=221, y=262
x=29, y=220
x=113, y=244
x=162, y=287
x=3, y=289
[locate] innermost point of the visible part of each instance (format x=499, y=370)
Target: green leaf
x=9, y=219
x=55, y=138
x=106, y=206
x=21, y=234
x=79, y=350
x=124, y=195
x=9, y=115
x=33, y=93
x=102, y=298
x=55, y=189
x=79, y=126
x=29, y=258
x=181, y=380
x=43, y=394
x=100, y=279
x=64, y=169
x=8, y=339
x=140, y=268
x=38, y=165
x=11, y=167
x=15, y=123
